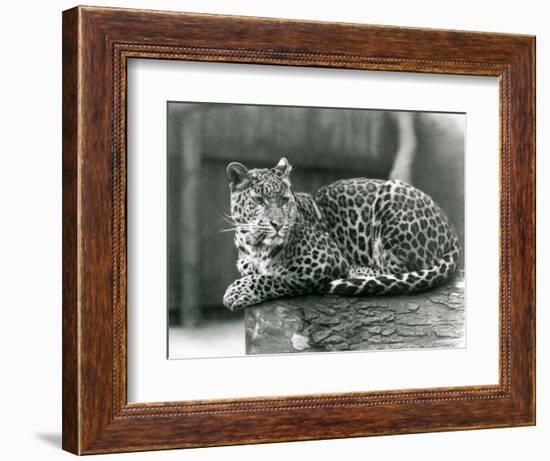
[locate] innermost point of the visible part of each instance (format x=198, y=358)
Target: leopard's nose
x=276, y=224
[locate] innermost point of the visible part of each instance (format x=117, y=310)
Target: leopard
x=354, y=237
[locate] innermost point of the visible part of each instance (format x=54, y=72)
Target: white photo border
x=153, y=378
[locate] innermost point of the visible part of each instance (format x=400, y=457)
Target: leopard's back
x=347, y=206
x=391, y=232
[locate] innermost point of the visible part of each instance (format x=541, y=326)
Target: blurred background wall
x=322, y=144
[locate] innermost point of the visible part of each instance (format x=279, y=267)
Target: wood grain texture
x=70, y=382
x=97, y=42
x=434, y=319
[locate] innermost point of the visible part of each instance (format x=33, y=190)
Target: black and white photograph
x=312, y=229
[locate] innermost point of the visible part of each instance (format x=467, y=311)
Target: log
x=434, y=319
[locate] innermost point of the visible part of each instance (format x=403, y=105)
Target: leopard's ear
x=283, y=168
x=237, y=174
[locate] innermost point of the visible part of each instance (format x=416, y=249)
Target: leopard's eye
x=258, y=199
x=285, y=199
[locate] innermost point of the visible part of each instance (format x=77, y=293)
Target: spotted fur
x=357, y=237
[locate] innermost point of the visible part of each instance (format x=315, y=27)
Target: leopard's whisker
x=240, y=226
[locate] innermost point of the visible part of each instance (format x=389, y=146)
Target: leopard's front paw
x=232, y=301
x=236, y=296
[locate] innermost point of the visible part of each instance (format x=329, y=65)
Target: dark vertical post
x=190, y=301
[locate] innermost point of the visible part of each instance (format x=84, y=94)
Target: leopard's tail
x=396, y=284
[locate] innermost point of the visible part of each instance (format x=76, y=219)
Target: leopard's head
x=263, y=207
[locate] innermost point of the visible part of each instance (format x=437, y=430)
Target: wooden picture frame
x=97, y=43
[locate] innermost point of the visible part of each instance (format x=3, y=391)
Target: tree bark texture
x=434, y=319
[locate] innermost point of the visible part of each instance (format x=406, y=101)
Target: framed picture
x=281, y=230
